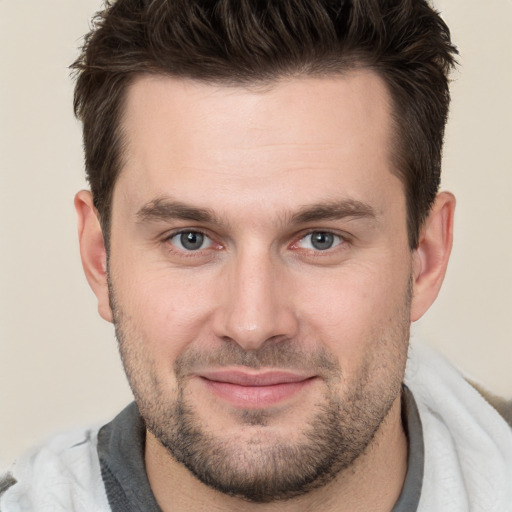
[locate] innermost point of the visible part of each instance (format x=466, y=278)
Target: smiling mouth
x=255, y=390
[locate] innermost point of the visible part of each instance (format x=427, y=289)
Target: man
x=263, y=225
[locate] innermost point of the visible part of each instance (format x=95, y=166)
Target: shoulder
x=468, y=443
x=436, y=383
x=504, y=407
x=61, y=475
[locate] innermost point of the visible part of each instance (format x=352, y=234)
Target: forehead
x=356, y=100
x=323, y=136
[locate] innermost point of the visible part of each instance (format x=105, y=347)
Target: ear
x=92, y=251
x=430, y=259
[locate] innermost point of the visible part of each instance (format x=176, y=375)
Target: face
x=260, y=276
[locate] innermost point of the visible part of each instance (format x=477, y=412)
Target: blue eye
x=320, y=241
x=190, y=240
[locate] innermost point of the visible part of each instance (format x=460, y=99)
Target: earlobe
x=92, y=250
x=430, y=258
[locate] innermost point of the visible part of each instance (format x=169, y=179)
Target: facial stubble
x=267, y=468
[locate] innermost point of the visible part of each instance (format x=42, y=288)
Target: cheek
x=353, y=308
x=164, y=310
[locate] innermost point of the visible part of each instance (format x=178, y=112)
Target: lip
x=255, y=390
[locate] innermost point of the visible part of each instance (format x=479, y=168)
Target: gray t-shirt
x=121, y=454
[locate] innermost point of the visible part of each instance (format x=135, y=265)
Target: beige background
x=58, y=360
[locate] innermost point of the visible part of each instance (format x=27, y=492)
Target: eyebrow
x=165, y=209
x=335, y=210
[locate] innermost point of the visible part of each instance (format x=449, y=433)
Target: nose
x=255, y=305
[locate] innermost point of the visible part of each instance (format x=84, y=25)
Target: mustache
x=279, y=355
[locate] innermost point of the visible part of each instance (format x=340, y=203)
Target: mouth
x=255, y=390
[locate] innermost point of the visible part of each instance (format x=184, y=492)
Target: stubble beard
x=338, y=432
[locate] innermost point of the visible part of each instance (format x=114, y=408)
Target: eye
x=190, y=240
x=320, y=241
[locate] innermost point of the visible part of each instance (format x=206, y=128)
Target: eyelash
x=189, y=253
x=338, y=240
x=341, y=242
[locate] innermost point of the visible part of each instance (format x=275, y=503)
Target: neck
x=373, y=482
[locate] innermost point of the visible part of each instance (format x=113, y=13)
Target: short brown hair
x=252, y=41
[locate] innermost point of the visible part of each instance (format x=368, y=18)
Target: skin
x=258, y=297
